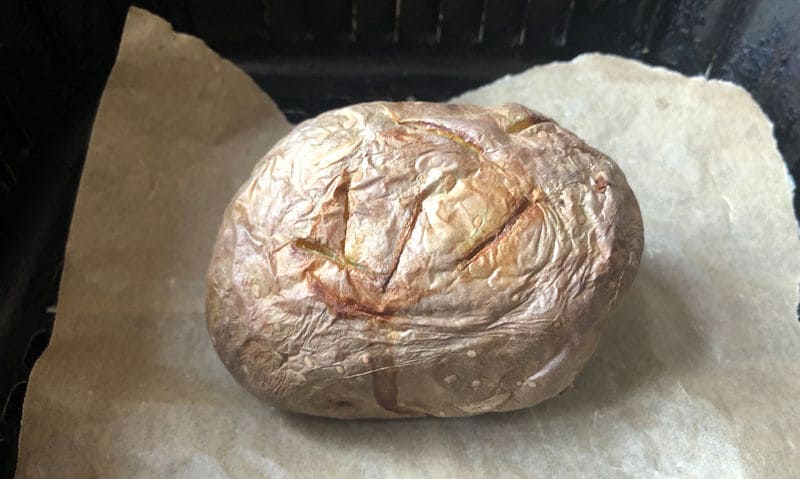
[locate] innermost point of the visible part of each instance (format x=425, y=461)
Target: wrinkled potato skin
x=408, y=259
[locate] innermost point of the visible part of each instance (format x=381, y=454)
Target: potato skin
x=408, y=259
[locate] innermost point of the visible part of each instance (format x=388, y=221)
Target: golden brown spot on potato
x=318, y=249
x=480, y=268
x=343, y=306
x=326, y=252
x=502, y=232
x=525, y=123
x=444, y=132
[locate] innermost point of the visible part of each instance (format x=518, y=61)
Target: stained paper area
x=695, y=377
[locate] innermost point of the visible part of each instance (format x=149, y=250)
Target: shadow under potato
x=651, y=326
x=651, y=319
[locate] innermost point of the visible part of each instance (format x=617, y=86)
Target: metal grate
x=425, y=22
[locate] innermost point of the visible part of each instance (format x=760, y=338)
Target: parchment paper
x=697, y=375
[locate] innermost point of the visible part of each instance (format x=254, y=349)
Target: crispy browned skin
x=408, y=259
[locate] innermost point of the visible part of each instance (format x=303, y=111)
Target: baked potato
x=420, y=259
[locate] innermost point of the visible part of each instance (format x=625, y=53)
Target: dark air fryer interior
x=310, y=56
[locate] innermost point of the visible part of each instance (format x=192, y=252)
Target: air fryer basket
x=310, y=56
